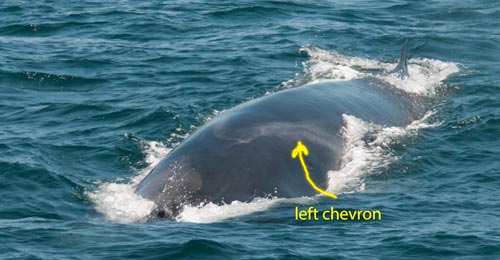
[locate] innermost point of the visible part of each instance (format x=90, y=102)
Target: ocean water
x=93, y=94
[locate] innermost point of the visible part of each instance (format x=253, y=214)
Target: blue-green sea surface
x=93, y=94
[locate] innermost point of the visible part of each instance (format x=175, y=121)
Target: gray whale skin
x=244, y=153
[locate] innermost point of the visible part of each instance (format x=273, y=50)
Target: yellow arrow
x=300, y=150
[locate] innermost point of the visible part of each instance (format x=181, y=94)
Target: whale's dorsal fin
x=402, y=68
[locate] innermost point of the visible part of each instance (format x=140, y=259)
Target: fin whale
x=244, y=153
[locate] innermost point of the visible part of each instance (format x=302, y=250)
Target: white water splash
x=118, y=201
x=368, y=147
x=426, y=75
x=210, y=212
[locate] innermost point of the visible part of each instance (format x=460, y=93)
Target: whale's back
x=245, y=152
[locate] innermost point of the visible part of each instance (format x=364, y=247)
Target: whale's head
x=226, y=162
x=170, y=184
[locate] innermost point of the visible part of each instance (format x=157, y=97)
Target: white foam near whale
x=118, y=201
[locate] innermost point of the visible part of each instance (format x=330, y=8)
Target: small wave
x=250, y=11
x=41, y=81
x=11, y=9
x=44, y=29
